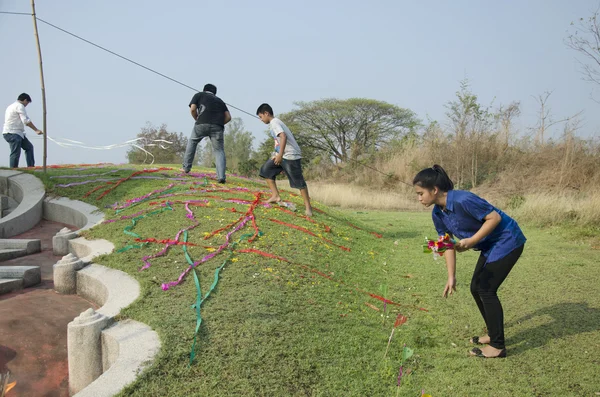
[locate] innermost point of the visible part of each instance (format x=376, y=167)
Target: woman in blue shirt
x=478, y=225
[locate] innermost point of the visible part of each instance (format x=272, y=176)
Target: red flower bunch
x=440, y=246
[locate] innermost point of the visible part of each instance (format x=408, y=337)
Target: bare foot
x=489, y=351
x=274, y=199
x=483, y=340
x=308, y=211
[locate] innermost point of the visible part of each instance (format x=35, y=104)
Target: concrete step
x=10, y=284
x=32, y=245
x=11, y=253
x=31, y=275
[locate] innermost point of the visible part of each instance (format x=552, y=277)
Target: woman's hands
x=464, y=244
x=450, y=287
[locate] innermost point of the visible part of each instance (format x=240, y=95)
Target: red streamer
x=308, y=218
x=308, y=232
x=324, y=275
x=115, y=185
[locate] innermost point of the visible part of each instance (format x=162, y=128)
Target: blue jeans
x=17, y=143
x=215, y=133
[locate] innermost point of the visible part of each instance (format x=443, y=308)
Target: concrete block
x=130, y=347
x=32, y=246
x=64, y=274
x=60, y=242
x=30, y=275
x=85, y=349
x=10, y=284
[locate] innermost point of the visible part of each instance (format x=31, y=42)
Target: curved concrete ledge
x=127, y=348
x=72, y=212
x=109, y=288
x=87, y=250
x=82, y=215
x=29, y=192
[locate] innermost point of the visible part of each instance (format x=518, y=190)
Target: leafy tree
x=166, y=147
x=238, y=149
x=346, y=129
x=265, y=149
x=238, y=144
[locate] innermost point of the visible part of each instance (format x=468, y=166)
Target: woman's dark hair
x=434, y=177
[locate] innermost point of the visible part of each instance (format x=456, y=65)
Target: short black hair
x=211, y=88
x=434, y=177
x=24, y=97
x=264, y=108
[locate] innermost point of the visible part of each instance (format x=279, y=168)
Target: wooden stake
x=39, y=50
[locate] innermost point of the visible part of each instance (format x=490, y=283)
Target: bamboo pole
x=39, y=50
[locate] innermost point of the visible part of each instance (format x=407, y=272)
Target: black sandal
x=475, y=340
x=478, y=353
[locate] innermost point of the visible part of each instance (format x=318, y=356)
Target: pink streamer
x=82, y=175
x=129, y=202
x=166, y=286
x=85, y=182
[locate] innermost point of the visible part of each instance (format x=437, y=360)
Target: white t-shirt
x=292, y=150
x=15, y=119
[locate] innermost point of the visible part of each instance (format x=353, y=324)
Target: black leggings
x=484, y=287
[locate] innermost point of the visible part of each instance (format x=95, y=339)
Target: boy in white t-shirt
x=286, y=158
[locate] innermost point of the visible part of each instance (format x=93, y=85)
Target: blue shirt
x=463, y=217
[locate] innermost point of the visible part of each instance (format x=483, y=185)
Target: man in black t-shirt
x=211, y=115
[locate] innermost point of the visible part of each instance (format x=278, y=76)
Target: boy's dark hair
x=264, y=108
x=24, y=97
x=434, y=177
x=211, y=88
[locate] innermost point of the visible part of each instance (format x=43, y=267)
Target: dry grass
x=544, y=209
x=552, y=184
x=345, y=195
x=359, y=197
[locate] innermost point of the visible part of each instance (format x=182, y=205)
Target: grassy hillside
x=299, y=306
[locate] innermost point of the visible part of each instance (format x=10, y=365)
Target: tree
x=346, y=129
x=545, y=119
x=238, y=149
x=238, y=144
x=586, y=41
x=506, y=116
x=204, y=155
x=265, y=149
x=470, y=124
x=166, y=147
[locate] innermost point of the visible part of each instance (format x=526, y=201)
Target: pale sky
x=412, y=54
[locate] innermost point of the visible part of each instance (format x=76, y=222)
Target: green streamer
x=199, y=298
x=127, y=229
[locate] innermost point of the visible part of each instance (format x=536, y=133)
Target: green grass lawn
x=307, y=326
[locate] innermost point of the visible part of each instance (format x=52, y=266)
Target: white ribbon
x=69, y=143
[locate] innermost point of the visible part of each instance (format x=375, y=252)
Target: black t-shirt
x=211, y=108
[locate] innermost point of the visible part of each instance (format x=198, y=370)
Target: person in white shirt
x=15, y=121
x=286, y=158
